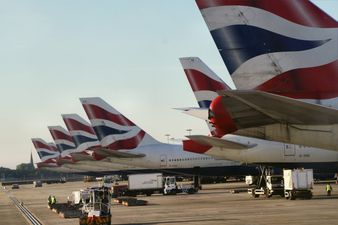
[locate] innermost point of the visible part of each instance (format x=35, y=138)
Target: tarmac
x=215, y=204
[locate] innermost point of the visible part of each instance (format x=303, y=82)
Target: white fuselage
x=169, y=156
x=264, y=151
x=96, y=166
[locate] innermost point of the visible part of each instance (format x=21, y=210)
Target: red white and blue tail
x=203, y=81
x=63, y=140
x=114, y=130
x=47, y=152
x=283, y=47
x=82, y=132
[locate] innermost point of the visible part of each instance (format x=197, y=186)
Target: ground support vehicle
x=148, y=184
x=298, y=183
x=267, y=184
x=37, y=183
x=96, y=210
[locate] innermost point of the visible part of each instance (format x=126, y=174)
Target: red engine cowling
x=221, y=118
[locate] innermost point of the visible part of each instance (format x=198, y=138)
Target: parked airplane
x=49, y=155
x=283, y=56
x=121, y=136
x=205, y=84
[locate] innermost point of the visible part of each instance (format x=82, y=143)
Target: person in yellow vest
x=53, y=200
x=49, y=200
x=328, y=189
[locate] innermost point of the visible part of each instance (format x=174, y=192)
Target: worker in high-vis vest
x=328, y=189
x=53, y=200
x=49, y=200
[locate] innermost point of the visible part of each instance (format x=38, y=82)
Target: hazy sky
x=53, y=52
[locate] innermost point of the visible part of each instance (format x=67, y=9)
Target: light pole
x=167, y=135
x=189, y=130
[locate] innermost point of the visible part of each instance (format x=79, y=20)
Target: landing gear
x=197, y=182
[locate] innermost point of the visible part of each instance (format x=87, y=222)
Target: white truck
x=298, y=183
x=150, y=183
x=294, y=183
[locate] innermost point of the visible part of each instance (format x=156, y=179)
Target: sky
x=126, y=52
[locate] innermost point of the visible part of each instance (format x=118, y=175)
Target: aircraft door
x=163, y=159
x=289, y=151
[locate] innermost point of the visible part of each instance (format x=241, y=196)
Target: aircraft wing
x=117, y=154
x=218, y=142
x=256, y=108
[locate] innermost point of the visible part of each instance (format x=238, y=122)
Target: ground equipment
x=96, y=209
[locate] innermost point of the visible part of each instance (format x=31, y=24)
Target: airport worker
x=53, y=200
x=328, y=189
x=49, y=200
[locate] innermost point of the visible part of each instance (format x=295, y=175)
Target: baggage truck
x=148, y=184
x=145, y=184
x=298, y=183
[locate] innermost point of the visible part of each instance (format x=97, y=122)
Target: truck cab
x=275, y=185
x=170, y=186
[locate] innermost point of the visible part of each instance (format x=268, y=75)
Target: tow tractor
x=96, y=208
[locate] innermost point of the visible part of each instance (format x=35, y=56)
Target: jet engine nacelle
x=220, y=118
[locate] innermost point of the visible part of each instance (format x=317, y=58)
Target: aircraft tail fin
x=204, y=83
x=81, y=131
x=47, y=152
x=269, y=46
x=113, y=129
x=62, y=139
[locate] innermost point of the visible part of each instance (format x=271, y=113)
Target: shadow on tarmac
x=208, y=221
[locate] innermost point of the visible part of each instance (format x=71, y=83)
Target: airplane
x=49, y=155
x=120, y=136
x=205, y=84
x=283, y=57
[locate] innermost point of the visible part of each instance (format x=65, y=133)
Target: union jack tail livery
x=204, y=83
x=83, y=134
x=47, y=152
x=63, y=140
x=114, y=130
x=84, y=137
x=283, y=47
